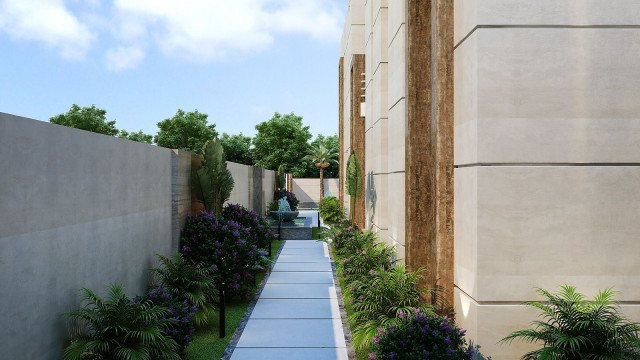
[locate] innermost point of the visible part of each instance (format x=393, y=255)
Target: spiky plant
x=320, y=156
x=382, y=298
x=117, y=328
x=354, y=182
x=184, y=280
x=573, y=328
x=213, y=181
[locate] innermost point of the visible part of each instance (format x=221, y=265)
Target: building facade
x=500, y=146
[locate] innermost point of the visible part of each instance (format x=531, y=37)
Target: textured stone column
x=341, y=159
x=429, y=143
x=257, y=189
x=358, y=129
x=180, y=193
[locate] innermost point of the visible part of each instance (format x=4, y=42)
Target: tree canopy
x=237, y=148
x=281, y=140
x=187, y=131
x=331, y=143
x=86, y=118
x=136, y=136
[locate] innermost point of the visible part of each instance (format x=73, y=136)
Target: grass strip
x=207, y=344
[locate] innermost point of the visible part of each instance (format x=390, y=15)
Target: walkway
x=297, y=314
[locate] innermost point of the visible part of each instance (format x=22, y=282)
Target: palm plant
x=577, y=329
x=383, y=298
x=354, y=182
x=117, y=328
x=213, y=181
x=321, y=156
x=184, y=280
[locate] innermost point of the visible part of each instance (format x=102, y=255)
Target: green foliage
x=281, y=141
x=381, y=298
x=86, y=118
x=354, y=182
x=576, y=329
x=280, y=180
x=187, y=131
x=291, y=198
x=119, y=328
x=213, y=181
x=421, y=335
x=358, y=267
x=332, y=145
x=184, y=280
x=330, y=209
x=237, y=148
x=136, y=136
x=273, y=206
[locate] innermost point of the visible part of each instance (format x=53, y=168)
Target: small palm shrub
x=184, y=280
x=421, y=335
x=358, y=267
x=180, y=312
x=380, y=300
x=226, y=247
x=353, y=241
x=576, y=329
x=118, y=328
x=330, y=209
x=256, y=225
x=291, y=198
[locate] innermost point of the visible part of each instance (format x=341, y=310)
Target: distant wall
x=79, y=209
x=308, y=190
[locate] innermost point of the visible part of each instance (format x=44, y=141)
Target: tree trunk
x=321, y=183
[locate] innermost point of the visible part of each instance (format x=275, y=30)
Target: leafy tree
x=576, y=329
x=354, y=182
x=86, y=118
x=213, y=181
x=320, y=156
x=237, y=148
x=136, y=136
x=185, y=131
x=282, y=140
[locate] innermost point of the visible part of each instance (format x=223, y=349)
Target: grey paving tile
x=304, y=251
x=303, y=258
x=320, y=277
x=302, y=244
x=298, y=291
x=296, y=309
x=290, y=354
x=302, y=266
x=292, y=333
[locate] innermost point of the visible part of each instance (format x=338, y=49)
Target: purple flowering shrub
x=421, y=335
x=259, y=230
x=291, y=198
x=227, y=248
x=180, y=313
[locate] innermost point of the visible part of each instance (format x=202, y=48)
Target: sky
x=238, y=61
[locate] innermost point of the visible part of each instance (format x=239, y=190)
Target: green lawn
x=206, y=344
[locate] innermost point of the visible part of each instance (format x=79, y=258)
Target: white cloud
x=124, y=57
x=202, y=30
x=48, y=21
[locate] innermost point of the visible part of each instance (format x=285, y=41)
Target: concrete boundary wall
x=80, y=209
x=308, y=190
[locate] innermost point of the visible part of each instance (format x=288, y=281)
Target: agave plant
x=574, y=328
x=184, y=280
x=382, y=299
x=118, y=328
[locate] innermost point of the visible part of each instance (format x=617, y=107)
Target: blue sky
x=237, y=60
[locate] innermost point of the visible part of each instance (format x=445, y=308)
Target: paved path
x=297, y=315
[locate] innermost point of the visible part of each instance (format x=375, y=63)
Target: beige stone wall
x=547, y=140
x=308, y=190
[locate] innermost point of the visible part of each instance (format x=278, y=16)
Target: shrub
x=212, y=182
x=358, y=266
x=381, y=299
x=180, y=312
x=291, y=198
x=351, y=241
x=273, y=206
x=330, y=209
x=421, y=335
x=225, y=247
x=186, y=281
x=258, y=227
x=574, y=328
x=119, y=328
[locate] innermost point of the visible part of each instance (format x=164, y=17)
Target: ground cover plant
x=116, y=327
x=573, y=328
